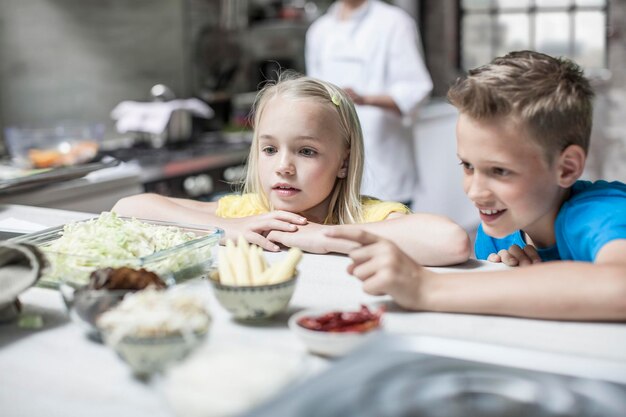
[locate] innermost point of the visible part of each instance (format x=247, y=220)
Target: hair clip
x=336, y=100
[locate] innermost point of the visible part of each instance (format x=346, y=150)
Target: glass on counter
x=50, y=147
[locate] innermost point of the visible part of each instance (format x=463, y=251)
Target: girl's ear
x=343, y=171
x=571, y=164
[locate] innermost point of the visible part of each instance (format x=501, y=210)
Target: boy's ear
x=571, y=163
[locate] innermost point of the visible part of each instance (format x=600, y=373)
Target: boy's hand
x=384, y=268
x=516, y=256
x=256, y=228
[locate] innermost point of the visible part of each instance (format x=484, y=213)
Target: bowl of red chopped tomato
x=336, y=332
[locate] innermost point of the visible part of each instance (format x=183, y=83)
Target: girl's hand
x=312, y=238
x=516, y=256
x=255, y=228
x=384, y=268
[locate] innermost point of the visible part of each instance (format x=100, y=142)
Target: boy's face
x=301, y=155
x=509, y=180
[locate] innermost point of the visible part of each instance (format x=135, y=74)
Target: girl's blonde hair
x=345, y=201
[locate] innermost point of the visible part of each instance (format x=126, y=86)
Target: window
x=573, y=28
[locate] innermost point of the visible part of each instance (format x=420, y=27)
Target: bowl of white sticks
x=249, y=288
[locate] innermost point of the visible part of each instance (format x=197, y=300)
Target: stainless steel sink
x=390, y=378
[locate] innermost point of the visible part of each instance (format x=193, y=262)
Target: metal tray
x=53, y=176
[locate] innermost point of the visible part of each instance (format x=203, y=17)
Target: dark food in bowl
x=89, y=304
x=361, y=321
x=123, y=279
x=107, y=287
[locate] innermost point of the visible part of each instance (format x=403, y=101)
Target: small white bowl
x=331, y=344
x=152, y=328
x=147, y=355
x=254, y=302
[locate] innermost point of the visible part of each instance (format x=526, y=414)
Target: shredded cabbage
x=109, y=241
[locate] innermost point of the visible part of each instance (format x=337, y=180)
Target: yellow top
x=243, y=205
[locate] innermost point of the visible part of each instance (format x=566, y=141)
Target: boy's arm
x=552, y=290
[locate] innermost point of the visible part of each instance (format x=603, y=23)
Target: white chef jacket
x=375, y=52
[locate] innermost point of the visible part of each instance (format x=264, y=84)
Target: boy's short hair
x=549, y=97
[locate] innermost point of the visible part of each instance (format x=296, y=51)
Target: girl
x=303, y=178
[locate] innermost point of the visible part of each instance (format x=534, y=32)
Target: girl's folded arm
x=429, y=239
x=157, y=207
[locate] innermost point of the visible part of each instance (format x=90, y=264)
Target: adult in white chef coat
x=371, y=49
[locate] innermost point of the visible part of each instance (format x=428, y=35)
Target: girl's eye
x=269, y=150
x=308, y=152
x=467, y=167
x=500, y=172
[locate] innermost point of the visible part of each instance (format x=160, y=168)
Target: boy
x=522, y=138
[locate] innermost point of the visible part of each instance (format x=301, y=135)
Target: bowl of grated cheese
x=151, y=329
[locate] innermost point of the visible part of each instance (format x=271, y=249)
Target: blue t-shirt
x=594, y=215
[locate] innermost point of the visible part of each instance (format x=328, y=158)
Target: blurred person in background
x=372, y=50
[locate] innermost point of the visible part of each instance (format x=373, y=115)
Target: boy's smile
x=508, y=178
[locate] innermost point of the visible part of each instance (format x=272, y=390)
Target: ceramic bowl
x=86, y=305
x=254, y=302
x=152, y=328
x=330, y=344
x=147, y=355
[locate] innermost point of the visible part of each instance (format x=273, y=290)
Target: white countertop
x=56, y=370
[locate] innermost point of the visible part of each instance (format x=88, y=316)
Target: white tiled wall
x=440, y=176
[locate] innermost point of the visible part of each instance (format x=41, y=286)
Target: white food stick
x=286, y=268
x=256, y=265
x=223, y=268
x=267, y=275
x=242, y=269
x=231, y=255
x=264, y=261
x=242, y=244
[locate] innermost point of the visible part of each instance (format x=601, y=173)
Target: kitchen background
x=75, y=60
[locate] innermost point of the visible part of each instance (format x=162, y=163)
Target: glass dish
x=178, y=263
x=66, y=144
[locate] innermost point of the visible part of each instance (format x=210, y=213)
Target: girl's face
x=301, y=155
x=508, y=178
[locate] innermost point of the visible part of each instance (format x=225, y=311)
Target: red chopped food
x=360, y=321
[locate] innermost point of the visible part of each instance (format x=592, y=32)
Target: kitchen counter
x=144, y=169
x=56, y=370
x=98, y=191
x=177, y=167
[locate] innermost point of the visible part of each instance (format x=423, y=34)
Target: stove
x=394, y=377
x=203, y=168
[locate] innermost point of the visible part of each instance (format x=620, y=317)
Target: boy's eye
x=270, y=150
x=308, y=152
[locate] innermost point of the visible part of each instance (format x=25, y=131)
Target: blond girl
x=303, y=179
